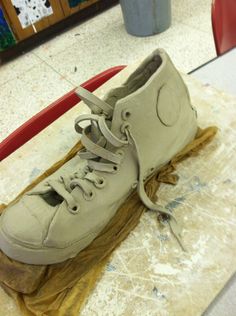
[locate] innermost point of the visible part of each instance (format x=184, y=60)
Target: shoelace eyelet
x=100, y=183
x=125, y=114
x=74, y=210
x=90, y=196
x=115, y=169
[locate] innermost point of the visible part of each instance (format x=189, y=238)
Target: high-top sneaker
x=136, y=129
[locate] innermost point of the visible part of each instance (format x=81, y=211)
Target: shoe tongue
x=114, y=95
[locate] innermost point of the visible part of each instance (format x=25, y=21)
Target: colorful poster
x=6, y=37
x=74, y=3
x=31, y=11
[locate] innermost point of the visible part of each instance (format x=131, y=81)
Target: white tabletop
x=220, y=72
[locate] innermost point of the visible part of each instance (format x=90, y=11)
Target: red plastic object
x=223, y=16
x=48, y=115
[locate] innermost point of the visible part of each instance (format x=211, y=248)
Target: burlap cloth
x=61, y=289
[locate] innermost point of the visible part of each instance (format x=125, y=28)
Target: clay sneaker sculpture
x=135, y=130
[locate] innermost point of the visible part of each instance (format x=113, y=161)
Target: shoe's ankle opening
x=143, y=74
x=135, y=81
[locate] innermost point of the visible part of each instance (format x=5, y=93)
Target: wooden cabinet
x=32, y=27
x=80, y=6
x=24, y=32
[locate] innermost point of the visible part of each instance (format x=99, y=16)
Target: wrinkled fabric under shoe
x=135, y=130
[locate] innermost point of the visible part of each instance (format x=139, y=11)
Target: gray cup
x=146, y=17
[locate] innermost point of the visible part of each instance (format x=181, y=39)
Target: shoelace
x=100, y=158
x=167, y=216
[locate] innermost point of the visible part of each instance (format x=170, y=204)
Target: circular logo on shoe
x=168, y=105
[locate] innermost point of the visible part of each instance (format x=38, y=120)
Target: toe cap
x=19, y=224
